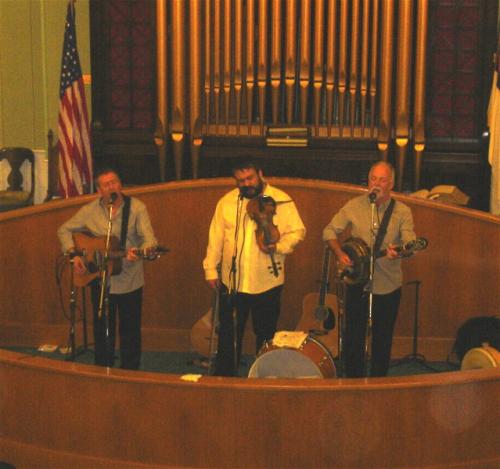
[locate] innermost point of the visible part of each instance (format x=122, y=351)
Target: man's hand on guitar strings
x=392, y=252
x=132, y=254
x=79, y=266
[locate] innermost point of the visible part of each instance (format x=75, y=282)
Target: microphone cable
x=61, y=264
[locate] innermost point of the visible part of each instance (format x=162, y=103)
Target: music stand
x=414, y=356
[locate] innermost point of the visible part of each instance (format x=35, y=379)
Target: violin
x=262, y=209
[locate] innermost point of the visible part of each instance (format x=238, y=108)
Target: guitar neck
x=142, y=253
x=417, y=245
x=325, y=274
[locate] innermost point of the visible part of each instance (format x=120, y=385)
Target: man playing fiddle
x=251, y=271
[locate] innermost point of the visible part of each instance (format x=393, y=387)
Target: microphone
x=112, y=198
x=373, y=195
x=245, y=192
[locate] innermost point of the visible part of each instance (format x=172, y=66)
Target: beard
x=249, y=192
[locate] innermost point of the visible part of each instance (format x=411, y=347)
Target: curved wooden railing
x=56, y=414
x=62, y=413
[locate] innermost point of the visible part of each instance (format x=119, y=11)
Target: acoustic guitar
x=200, y=335
x=204, y=333
x=204, y=336
x=319, y=308
x=92, y=248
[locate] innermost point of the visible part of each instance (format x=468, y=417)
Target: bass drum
x=311, y=360
x=481, y=357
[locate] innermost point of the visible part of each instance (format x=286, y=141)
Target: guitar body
x=310, y=324
x=93, y=248
x=317, y=307
x=200, y=334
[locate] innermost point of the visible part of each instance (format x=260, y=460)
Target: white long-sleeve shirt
x=254, y=273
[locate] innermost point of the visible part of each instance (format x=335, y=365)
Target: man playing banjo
x=387, y=275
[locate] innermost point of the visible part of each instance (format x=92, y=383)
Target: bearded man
x=252, y=274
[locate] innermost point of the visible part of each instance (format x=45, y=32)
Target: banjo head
x=359, y=253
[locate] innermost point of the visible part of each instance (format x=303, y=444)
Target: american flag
x=75, y=157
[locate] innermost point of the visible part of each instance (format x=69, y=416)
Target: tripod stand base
x=414, y=358
x=71, y=355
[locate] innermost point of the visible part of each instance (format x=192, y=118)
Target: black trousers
x=385, y=311
x=128, y=307
x=233, y=315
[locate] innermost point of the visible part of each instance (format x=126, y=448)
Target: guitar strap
x=383, y=227
x=125, y=217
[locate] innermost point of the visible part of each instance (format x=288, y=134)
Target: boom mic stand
x=369, y=286
x=104, y=293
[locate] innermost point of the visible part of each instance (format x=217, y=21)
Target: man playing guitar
x=132, y=227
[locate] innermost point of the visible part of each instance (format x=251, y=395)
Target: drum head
x=284, y=363
x=481, y=357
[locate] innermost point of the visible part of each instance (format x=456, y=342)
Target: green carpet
x=186, y=362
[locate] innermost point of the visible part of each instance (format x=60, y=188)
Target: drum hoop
x=322, y=346
x=267, y=348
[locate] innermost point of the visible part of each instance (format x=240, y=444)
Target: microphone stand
x=104, y=293
x=72, y=310
x=341, y=294
x=232, y=293
x=213, y=332
x=369, y=285
x=232, y=285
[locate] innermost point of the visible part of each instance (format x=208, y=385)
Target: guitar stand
x=415, y=357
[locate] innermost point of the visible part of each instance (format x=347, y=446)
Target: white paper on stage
x=289, y=339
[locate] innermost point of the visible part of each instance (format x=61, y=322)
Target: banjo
x=359, y=253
